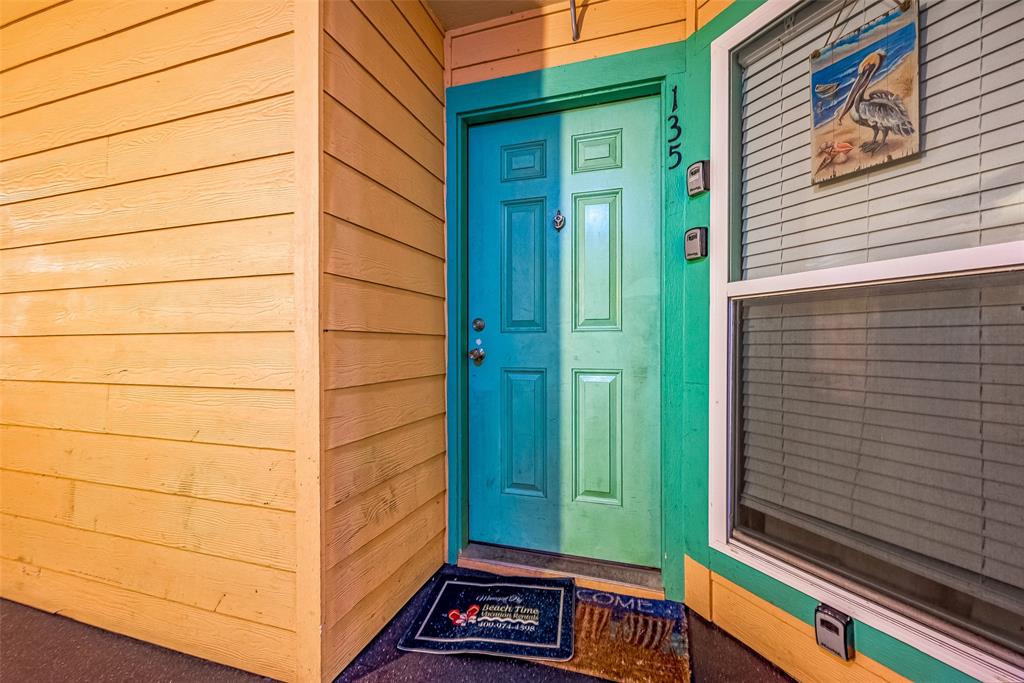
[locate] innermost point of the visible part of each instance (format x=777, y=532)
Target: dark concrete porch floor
x=39, y=647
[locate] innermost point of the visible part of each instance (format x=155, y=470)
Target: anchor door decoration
x=864, y=97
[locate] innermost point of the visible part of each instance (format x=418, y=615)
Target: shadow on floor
x=41, y=647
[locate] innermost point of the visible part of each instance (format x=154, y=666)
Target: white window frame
x=998, y=257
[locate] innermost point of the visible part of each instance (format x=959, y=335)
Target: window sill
x=958, y=653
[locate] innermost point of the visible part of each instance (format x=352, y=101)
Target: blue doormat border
x=520, y=617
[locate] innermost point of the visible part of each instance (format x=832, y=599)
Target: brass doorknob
x=477, y=356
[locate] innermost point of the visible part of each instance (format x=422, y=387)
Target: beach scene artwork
x=865, y=100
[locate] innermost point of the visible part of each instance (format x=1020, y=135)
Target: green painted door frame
x=653, y=71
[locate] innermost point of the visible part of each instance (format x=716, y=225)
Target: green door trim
x=651, y=71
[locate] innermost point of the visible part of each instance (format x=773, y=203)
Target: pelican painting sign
x=864, y=96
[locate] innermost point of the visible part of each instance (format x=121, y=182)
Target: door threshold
x=610, y=577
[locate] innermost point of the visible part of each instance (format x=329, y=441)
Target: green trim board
x=652, y=71
x=684, y=66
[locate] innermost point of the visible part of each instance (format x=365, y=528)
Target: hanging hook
x=575, y=26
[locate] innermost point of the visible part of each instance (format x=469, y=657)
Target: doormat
x=628, y=639
x=511, y=617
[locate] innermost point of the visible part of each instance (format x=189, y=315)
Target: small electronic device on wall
x=834, y=631
x=697, y=178
x=695, y=243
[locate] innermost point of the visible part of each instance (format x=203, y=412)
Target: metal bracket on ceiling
x=572, y=16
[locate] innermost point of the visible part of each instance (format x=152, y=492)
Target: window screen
x=881, y=432
x=962, y=190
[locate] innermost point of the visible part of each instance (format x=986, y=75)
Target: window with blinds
x=962, y=190
x=881, y=432
x=877, y=430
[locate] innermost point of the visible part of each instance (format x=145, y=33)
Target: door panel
x=564, y=410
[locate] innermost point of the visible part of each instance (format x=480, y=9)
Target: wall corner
x=307, y=246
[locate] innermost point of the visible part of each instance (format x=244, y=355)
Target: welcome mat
x=629, y=639
x=512, y=617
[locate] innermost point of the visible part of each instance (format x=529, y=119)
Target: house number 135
x=675, y=132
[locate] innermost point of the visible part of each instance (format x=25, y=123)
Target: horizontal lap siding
x=541, y=38
x=383, y=312
x=146, y=346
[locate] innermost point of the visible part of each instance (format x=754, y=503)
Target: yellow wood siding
x=383, y=312
x=147, y=191
x=777, y=635
x=542, y=37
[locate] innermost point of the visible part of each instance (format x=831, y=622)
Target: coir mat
x=624, y=638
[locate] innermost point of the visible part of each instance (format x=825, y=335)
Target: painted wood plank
x=231, y=474
x=359, y=412
x=259, y=594
x=358, y=306
x=549, y=31
x=356, y=358
x=347, y=26
x=254, y=647
x=364, y=518
x=363, y=465
x=247, y=131
x=352, y=632
x=247, y=189
x=503, y=20
x=194, y=33
x=362, y=254
x=13, y=10
x=788, y=642
x=390, y=23
x=691, y=16
x=350, y=84
x=253, y=72
x=568, y=54
x=308, y=236
x=350, y=635
x=74, y=23
x=350, y=140
x=709, y=10
x=350, y=196
x=423, y=24
x=433, y=16
x=242, y=360
x=252, y=304
x=257, y=246
x=359, y=573
x=697, y=587
x=240, y=417
x=240, y=532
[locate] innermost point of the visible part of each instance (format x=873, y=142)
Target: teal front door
x=565, y=323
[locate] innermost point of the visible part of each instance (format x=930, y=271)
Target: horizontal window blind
x=891, y=419
x=963, y=190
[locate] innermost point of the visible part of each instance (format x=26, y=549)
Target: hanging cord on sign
x=902, y=5
x=828, y=38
